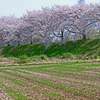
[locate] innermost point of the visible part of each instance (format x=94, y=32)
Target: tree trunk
x=84, y=36
x=18, y=42
x=31, y=41
x=62, y=33
x=8, y=44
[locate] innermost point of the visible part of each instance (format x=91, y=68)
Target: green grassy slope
x=81, y=49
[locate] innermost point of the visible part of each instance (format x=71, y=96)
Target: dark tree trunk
x=62, y=34
x=31, y=41
x=84, y=36
x=18, y=42
x=8, y=44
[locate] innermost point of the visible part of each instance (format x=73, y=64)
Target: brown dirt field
x=4, y=95
x=55, y=81
x=38, y=94
x=86, y=83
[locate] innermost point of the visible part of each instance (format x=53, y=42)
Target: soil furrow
x=60, y=82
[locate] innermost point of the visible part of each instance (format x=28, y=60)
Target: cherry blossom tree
x=59, y=23
x=37, y=22
x=6, y=28
x=11, y=29
x=79, y=20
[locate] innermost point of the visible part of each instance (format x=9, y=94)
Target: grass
x=81, y=49
x=53, y=81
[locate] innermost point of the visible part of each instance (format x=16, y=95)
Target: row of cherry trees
x=58, y=23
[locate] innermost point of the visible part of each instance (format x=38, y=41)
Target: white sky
x=19, y=7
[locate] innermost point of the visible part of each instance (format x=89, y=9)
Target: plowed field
x=63, y=81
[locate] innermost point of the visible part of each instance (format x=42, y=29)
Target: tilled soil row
x=62, y=79
x=25, y=90
x=4, y=95
x=74, y=80
x=70, y=96
x=57, y=81
x=71, y=77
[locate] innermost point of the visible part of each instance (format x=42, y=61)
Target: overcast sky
x=19, y=7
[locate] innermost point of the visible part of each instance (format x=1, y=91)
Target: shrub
x=95, y=56
x=1, y=59
x=67, y=56
x=79, y=57
x=40, y=57
x=85, y=58
x=23, y=57
x=59, y=56
x=43, y=57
